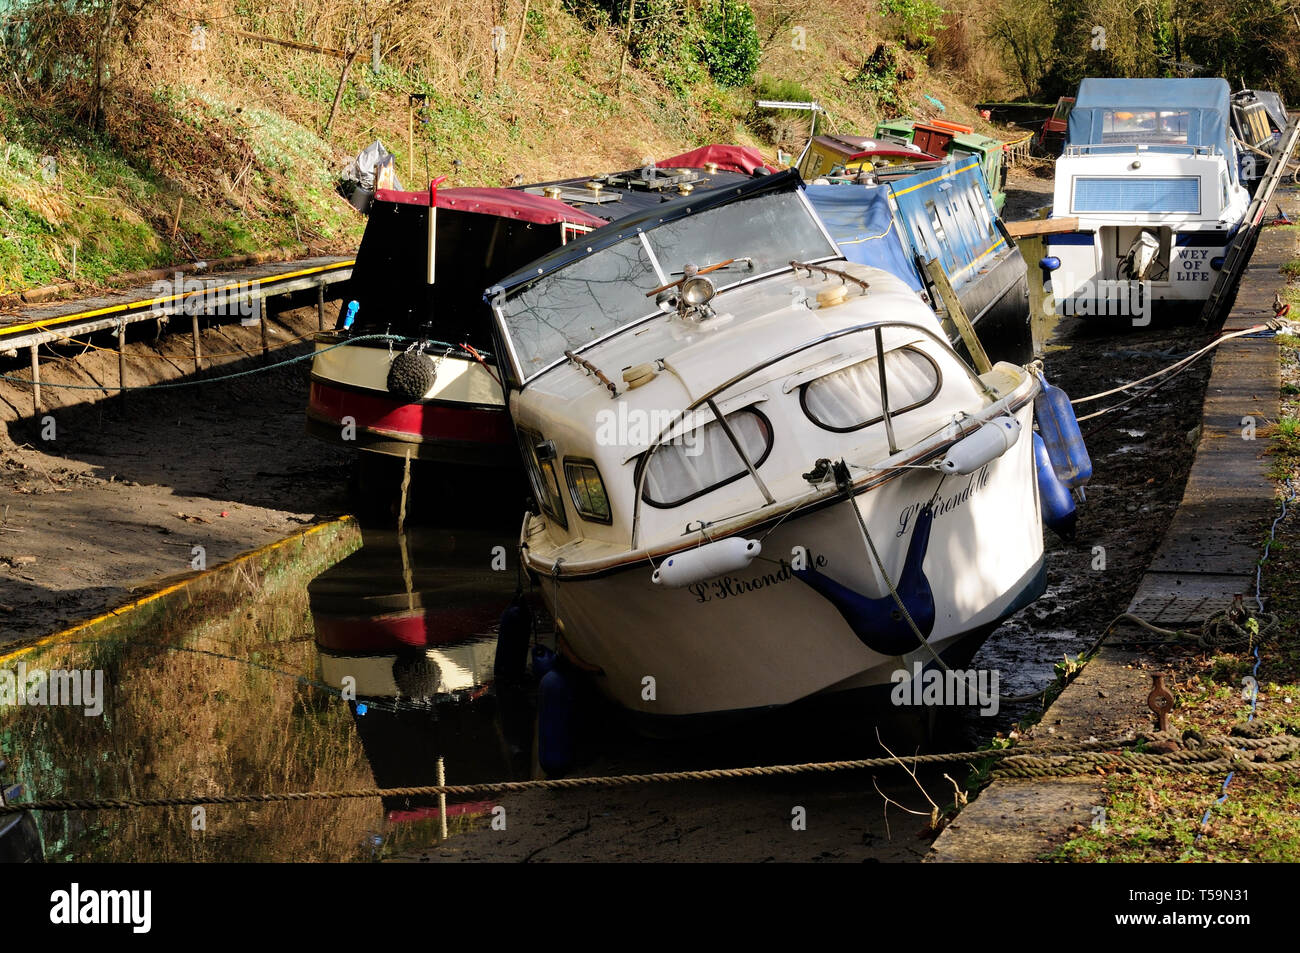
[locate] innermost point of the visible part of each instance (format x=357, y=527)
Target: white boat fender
x=705, y=562
x=982, y=447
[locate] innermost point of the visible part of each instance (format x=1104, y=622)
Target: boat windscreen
x=1144, y=125
x=1118, y=112
x=473, y=250
x=606, y=290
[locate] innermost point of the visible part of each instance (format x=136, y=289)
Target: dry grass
x=236, y=127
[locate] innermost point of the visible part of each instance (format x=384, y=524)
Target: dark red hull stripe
x=426, y=422
x=419, y=629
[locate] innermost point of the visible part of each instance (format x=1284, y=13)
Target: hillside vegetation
x=116, y=115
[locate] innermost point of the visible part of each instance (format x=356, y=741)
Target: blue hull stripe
x=1204, y=239
x=1070, y=238
x=1183, y=240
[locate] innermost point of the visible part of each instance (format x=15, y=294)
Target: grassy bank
x=232, y=144
x=1163, y=817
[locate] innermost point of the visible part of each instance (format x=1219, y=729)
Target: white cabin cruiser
x=1151, y=170
x=769, y=483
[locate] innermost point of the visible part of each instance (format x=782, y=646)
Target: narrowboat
x=902, y=217
x=762, y=473
x=941, y=138
x=410, y=369
x=844, y=154
x=1051, y=135
x=1152, y=173
x=1258, y=120
x=423, y=380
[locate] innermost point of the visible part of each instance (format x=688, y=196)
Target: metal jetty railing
x=1243, y=243
x=241, y=291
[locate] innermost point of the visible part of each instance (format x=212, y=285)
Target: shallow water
x=363, y=677
x=364, y=673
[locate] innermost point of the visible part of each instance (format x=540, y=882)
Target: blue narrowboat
x=899, y=218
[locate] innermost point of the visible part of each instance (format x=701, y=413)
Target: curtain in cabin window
x=849, y=399
x=705, y=459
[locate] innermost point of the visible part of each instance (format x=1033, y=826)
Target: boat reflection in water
x=405, y=633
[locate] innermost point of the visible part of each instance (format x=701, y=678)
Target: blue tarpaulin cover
x=1205, y=101
x=859, y=219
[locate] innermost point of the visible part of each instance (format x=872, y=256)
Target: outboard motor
x=1140, y=257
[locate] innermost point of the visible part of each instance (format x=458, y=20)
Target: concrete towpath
x=1208, y=556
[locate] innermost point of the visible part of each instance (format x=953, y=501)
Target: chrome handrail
x=1120, y=148
x=709, y=399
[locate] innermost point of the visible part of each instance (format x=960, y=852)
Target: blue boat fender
x=543, y=661
x=512, y=642
x=1062, y=437
x=1054, y=499
x=556, y=723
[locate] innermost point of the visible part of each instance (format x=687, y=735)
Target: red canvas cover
x=729, y=159
x=504, y=203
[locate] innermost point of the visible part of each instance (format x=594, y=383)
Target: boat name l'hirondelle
x=725, y=586
x=978, y=480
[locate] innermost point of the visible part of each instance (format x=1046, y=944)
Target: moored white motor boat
x=1153, y=174
x=765, y=484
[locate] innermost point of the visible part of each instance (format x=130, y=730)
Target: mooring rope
x=1046, y=760
x=1219, y=632
x=88, y=346
x=1190, y=358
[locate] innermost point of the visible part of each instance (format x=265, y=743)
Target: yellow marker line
x=984, y=254
x=921, y=185
x=67, y=635
x=130, y=305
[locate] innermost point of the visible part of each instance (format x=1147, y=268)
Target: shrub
x=728, y=42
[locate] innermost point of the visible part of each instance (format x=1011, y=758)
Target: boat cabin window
x=1137, y=194
x=980, y=212
x=936, y=226
x=596, y=295
x=704, y=459
x=1144, y=125
x=542, y=466
x=849, y=399
x=587, y=490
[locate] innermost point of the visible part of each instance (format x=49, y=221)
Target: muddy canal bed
x=1141, y=457
x=245, y=689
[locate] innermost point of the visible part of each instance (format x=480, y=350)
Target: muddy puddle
x=362, y=675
